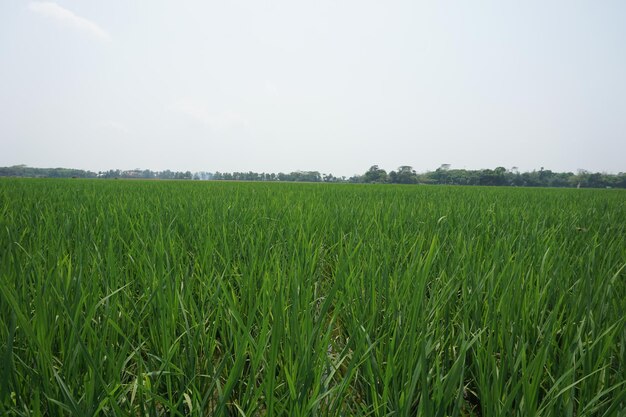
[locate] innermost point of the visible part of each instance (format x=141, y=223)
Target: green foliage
x=375, y=175
x=404, y=175
x=25, y=171
x=128, y=298
x=541, y=178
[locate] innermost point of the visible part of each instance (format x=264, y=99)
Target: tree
x=405, y=175
x=492, y=177
x=375, y=174
x=441, y=175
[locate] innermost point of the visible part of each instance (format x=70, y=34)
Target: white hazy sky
x=333, y=86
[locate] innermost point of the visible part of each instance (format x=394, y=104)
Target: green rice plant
x=129, y=298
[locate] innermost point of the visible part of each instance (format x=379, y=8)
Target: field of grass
x=131, y=298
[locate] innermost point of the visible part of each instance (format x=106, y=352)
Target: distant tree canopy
x=404, y=174
x=500, y=176
x=375, y=174
x=25, y=171
x=146, y=174
x=299, y=176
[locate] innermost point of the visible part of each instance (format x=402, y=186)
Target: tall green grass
x=234, y=299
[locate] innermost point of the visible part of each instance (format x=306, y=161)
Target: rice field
x=181, y=298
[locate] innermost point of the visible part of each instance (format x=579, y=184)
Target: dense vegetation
x=266, y=299
x=30, y=172
x=494, y=177
x=403, y=175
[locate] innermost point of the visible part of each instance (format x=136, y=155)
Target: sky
x=332, y=86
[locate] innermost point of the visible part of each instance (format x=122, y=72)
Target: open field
x=135, y=298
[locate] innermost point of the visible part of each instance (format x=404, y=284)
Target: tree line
x=404, y=174
x=26, y=171
x=499, y=176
